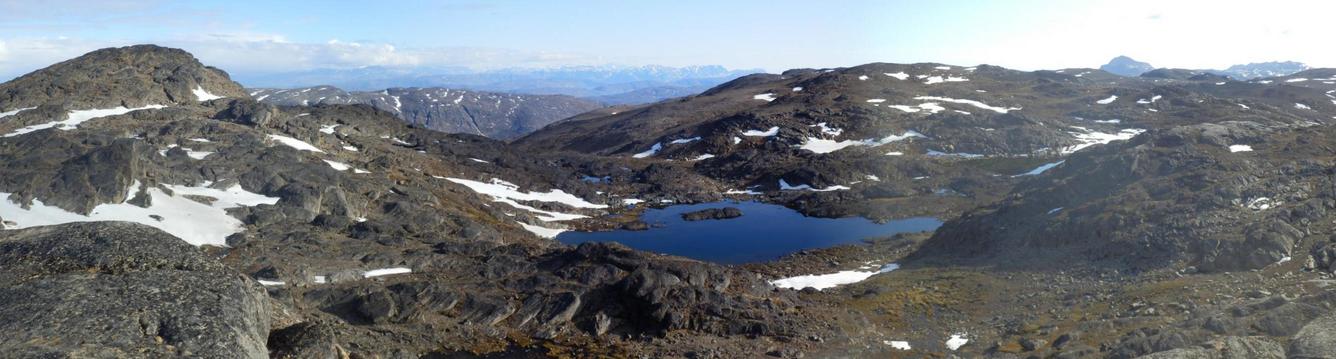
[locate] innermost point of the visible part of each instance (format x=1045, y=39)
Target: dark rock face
x=123, y=290
x=1126, y=66
x=496, y=115
x=132, y=76
x=1264, y=69
x=713, y=213
x=1214, y=209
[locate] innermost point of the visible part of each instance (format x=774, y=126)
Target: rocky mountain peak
x=131, y=76
x=1126, y=66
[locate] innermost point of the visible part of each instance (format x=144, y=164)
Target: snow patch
x=653, y=150
x=784, y=186
x=1240, y=148
x=767, y=97
x=1107, y=100
x=295, y=143
x=203, y=95
x=78, y=117
x=1039, y=170
x=758, y=133
x=385, y=271
x=956, y=341
x=968, y=102
x=826, y=281
x=1087, y=137
x=192, y=221
x=898, y=75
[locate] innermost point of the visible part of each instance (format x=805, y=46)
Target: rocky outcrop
x=127, y=290
x=712, y=213
x=132, y=76
x=1177, y=196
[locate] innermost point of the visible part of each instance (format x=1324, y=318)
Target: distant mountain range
x=1126, y=66
x=607, y=84
x=497, y=115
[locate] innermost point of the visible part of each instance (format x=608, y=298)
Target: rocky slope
x=496, y=115
x=878, y=136
x=1088, y=215
x=371, y=237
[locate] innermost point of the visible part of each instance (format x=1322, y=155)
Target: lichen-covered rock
x=120, y=289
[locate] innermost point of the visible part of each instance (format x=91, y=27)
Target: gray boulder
x=112, y=289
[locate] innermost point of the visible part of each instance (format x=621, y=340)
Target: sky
x=774, y=35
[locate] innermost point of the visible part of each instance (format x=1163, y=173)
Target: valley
x=880, y=210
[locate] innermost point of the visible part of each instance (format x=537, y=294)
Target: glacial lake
x=764, y=232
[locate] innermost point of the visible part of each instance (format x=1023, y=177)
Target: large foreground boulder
x=113, y=289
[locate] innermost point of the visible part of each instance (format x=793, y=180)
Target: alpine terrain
x=152, y=207
x=497, y=115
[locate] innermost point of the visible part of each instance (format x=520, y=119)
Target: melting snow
x=898, y=75
x=1240, y=148
x=541, y=231
x=685, y=140
x=1041, y=169
x=935, y=153
x=897, y=344
x=14, y=112
x=767, y=97
x=758, y=133
x=478, y=160
x=338, y=166
x=1302, y=106
x=825, y=281
x=956, y=341
x=819, y=145
x=1087, y=138
x=876, y=100
x=1107, y=100
x=202, y=95
x=968, y=102
x=295, y=143
x=748, y=192
x=1260, y=203
x=784, y=186
x=938, y=79
x=703, y=157
x=78, y=117
x=508, y=193
x=652, y=151
x=632, y=201
x=385, y=271
x=194, y=222
x=328, y=129
x=895, y=153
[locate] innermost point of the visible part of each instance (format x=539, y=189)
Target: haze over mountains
x=1126, y=66
x=611, y=84
x=1180, y=214
x=501, y=116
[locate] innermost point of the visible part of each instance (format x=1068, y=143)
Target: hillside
x=495, y=115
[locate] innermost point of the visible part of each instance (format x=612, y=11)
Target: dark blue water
x=764, y=232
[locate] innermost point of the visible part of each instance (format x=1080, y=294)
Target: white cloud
x=259, y=52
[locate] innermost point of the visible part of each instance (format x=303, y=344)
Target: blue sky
x=260, y=36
